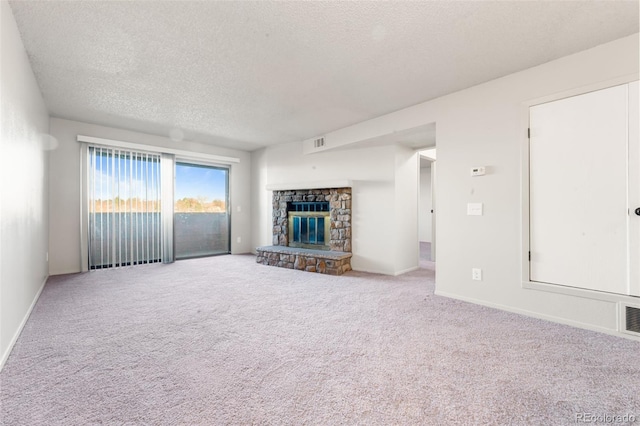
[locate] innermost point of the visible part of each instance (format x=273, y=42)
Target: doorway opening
x=427, y=208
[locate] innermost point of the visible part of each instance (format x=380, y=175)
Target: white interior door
x=581, y=225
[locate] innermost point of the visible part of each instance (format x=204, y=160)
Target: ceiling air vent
x=632, y=319
x=318, y=143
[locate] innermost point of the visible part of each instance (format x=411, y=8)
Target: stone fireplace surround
x=335, y=261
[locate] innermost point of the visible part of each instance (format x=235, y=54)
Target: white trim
x=558, y=320
x=579, y=292
x=404, y=271
x=525, y=190
x=524, y=193
x=202, y=162
x=633, y=193
x=371, y=271
x=618, y=81
x=84, y=208
x=64, y=272
x=187, y=155
x=167, y=199
x=14, y=339
x=340, y=183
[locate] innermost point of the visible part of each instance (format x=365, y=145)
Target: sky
x=124, y=178
x=194, y=181
x=191, y=181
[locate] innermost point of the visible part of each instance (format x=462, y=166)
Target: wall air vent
x=318, y=143
x=632, y=319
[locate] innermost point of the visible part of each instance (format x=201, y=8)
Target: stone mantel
x=292, y=186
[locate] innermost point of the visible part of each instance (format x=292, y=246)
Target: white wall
x=64, y=175
x=23, y=185
x=405, y=206
x=424, y=209
x=376, y=226
x=486, y=126
x=261, y=221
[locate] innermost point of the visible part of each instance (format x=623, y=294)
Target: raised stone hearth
x=321, y=261
x=320, y=237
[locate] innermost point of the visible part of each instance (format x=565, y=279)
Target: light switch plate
x=474, y=209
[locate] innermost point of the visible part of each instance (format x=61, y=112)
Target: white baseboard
x=384, y=272
x=413, y=268
x=64, y=272
x=7, y=352
x=533, y=314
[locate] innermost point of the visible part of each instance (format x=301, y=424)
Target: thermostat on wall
x=478, y=171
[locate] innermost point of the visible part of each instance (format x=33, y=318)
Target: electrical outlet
x=47, y=256
x=476, y=274
x=239, y=240
x=239, y=209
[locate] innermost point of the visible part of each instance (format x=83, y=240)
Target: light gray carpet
x=224, y=340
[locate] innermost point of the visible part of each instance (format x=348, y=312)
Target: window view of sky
x=125, y=182
x=200, y=182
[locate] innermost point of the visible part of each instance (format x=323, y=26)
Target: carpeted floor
x=224, y=340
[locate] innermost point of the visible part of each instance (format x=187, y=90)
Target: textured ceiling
x=248, y=74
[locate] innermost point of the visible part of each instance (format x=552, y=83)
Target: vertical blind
x=125, y=219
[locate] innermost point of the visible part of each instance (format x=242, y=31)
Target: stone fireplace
x=311, y=230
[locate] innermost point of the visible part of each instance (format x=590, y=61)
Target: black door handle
x=638, y=211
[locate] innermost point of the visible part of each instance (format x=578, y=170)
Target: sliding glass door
x=147, y=207
x=201, y=210
x=124, y=208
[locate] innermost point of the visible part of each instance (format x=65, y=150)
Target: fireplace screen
x=309, y=225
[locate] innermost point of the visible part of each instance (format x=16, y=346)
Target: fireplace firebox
x=309, y=225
